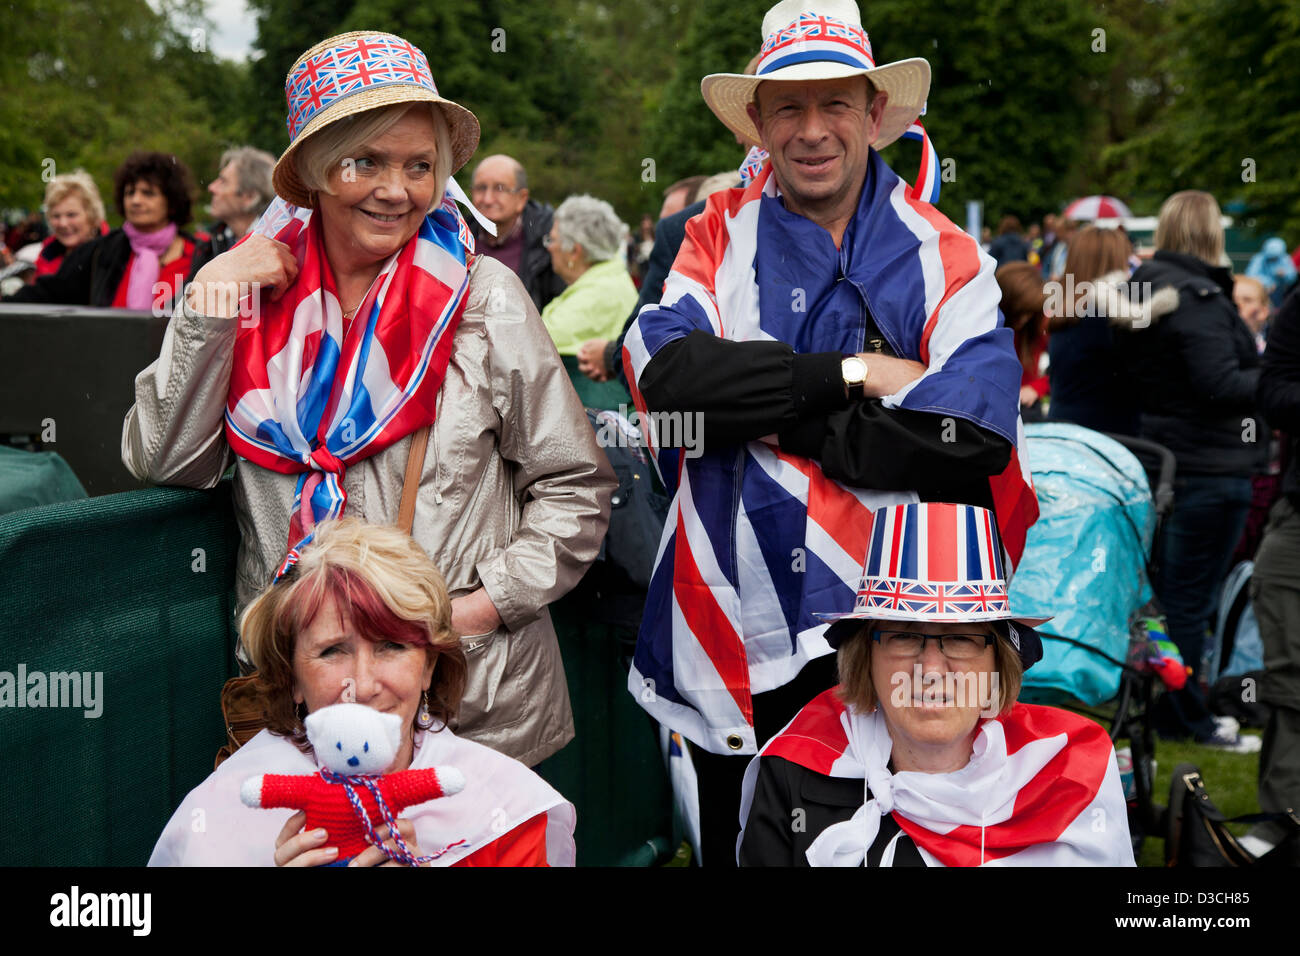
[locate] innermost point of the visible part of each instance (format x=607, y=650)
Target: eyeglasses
x=955, y=647
x=500, y=189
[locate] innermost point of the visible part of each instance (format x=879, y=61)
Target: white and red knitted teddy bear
x=354, y=745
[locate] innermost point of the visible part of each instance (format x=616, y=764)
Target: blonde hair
x=79, y=184
x=391, y=591
x=853, y=661
x=323, y=151
x=1257, y=287
x=1190, y=223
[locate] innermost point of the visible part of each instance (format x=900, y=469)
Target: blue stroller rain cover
x=1085, y=559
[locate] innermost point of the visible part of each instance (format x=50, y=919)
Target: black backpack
x=621, y=573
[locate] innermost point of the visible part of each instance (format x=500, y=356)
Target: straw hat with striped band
x=819, y=40
x=352, y=73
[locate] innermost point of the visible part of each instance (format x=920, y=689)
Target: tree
x=95, y=84
x=1228, y=85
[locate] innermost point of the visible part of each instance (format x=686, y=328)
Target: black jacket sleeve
x=69, y=286
x=746, y=390
x=742, y=390
x=941, y=458
x=1207, y=338
x=769, y=838
x=1279, y=382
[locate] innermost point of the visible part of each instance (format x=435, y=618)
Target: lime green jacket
x=594, y=307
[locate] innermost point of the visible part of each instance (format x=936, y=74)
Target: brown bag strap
x=411, y=481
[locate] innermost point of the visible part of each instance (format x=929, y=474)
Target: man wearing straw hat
x=840, y=342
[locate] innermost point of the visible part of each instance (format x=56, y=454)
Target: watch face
x=854, y=370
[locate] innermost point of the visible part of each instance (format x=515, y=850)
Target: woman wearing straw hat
x=353, y=348
x=922, y=755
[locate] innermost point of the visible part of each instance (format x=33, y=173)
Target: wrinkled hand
x=474, y=613
x=591, y=360
x=255, y=265
x=373, y=856
x=303, y=849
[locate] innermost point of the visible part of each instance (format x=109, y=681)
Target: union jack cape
x=758, y=539
x=1042, y=789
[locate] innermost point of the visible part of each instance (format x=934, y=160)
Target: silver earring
x=424, y=719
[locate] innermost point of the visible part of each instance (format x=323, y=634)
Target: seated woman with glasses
x=922, y=756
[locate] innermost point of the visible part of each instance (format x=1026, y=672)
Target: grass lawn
x=1231, y=780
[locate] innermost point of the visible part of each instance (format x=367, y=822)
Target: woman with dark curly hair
x=141, y=265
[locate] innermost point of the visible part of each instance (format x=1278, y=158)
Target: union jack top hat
x=807, y=40
x=935, y=563
x=352, y=73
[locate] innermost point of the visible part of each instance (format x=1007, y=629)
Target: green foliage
x=96, y=81
x=1227, y=80
x=603, y=97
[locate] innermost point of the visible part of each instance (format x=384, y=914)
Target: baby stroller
x=1087, y=563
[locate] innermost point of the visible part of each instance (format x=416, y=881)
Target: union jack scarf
x=758, y=539
x=311, y=394
x=1042, y=788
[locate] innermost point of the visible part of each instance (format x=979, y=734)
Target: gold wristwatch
x=854, y=372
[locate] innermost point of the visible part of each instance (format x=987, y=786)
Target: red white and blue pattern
x=361, y=63
x=311, y=394
x=813, y=38
x=1045, y=790
x=752, y=165
x=932, y=562
x=757, y=539
x=926, y=187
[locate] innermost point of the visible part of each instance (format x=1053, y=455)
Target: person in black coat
x=500, y=192
x=1196, y=371
x=1009, y=246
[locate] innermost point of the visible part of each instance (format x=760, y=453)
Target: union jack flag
x=813, y=37
x=361, y=62
x=758, y=539
x=926, y=187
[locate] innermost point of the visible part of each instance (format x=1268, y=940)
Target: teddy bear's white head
x=354, y=738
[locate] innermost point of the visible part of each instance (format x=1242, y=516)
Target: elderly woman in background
x=364, y=617
x=465, y=406
x=586, y=246
x=143, y=264
x=922, y=756
x=75, y=214
x=1195, y=370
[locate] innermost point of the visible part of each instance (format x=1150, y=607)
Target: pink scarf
x=148, y=248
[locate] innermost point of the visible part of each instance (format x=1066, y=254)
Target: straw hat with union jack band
x=807, y=40
x=934, y=563
x=352, y=73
